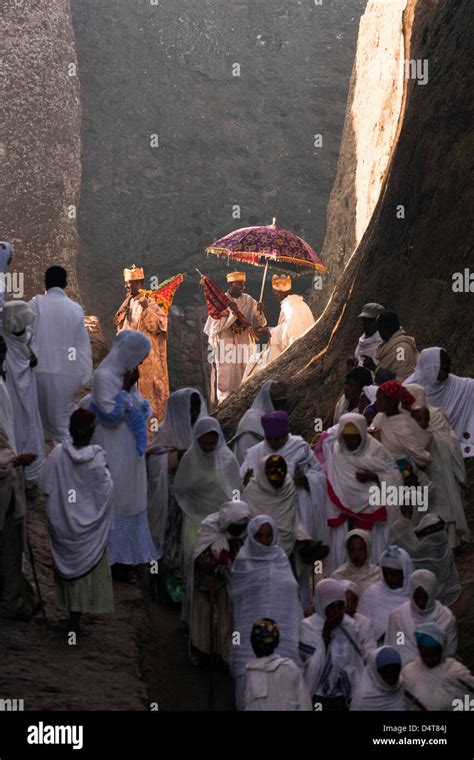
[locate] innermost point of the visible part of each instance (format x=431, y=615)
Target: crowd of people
x=321, y=572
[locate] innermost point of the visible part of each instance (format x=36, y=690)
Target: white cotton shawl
x=281, y=504
x=403, y=437
x=203, y=480
x=455, y=395
x=175, y=433
x=435, y=689
x=21, y=382
x=129, y=349
x=78, y=530
x=344, y=647
x=446, y=470
x=373, y=693
x=250, y=430
x=408, y=617
x=367, y=346
x=378, y=601
x=363, y=576
x=343, y=465
x=312, y=504
x=434, y=553
x=6, y=414
x=263, y=585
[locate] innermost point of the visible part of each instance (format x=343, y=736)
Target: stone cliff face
x=408, y=262
x=372, y=117
x=39, y=138
x=226, y=136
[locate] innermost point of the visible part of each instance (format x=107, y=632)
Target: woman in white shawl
x=262, y=585
x=271, y=396
x=357, y=467
x=380, y=688
x=455, y=395
x=446, y=469
x=422, y=608
x=20, y=361
x=122, y=416
x=357, y=567
x=392, y=590
x=79, y=531
x=403, y=438
x=434, y=553
x=220, y=538
x=331, y=649
x=434, y=681
x=364, y=625
x=280, y=502
x=173, y=437
x=207, y=476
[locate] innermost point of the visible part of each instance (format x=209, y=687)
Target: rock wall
x=404, y=262
x=168, y=69
x=370, y=127
x=39, y=138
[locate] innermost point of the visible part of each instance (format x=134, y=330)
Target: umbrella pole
x=263, y=281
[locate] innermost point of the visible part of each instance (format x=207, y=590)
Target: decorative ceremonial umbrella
x=266, y=246
x=165, y=292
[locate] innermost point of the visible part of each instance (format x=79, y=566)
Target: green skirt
x=92, y=593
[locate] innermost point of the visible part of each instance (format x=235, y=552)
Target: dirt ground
x=136, y=658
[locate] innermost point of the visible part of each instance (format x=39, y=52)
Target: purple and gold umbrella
x=268, y=246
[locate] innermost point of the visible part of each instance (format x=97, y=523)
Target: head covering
x=281, y=282
x=263, y=498
x=397, y=392
x=427, y=581
x=371, y=310
x=350, y=429
x=265, y=633
x=351, y=498
x=455, y=395
x=375, y=694
x=327, y=592
x=379, y=600
x=109, y=401
x=361, y=577
x=428, y=521
x=430, y=635
x=251, y=422
x=263, y=585
x=388, y=319
x=214, y=531
x=134, y=273
x=17, y=316
x=82, y=420
x=236, y=277
x=205, y=480
x=176, y=430
x=387, y=656
x=275, y=424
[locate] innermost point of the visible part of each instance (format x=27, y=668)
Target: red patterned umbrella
x=269, y=245
x=217, y=301
x=163, y=295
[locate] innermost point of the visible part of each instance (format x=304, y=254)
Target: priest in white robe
x=296, y=318
x=231, y=343
x=64, y=354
